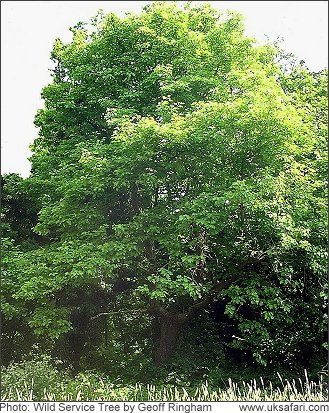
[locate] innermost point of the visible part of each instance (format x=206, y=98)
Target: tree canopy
x=177, y=165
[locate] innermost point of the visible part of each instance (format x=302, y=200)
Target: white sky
x=29, y=28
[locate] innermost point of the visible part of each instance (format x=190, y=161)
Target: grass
x=92, y=388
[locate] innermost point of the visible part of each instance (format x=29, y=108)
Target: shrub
x=33, y=376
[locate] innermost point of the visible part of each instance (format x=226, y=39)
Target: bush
x=33, y=376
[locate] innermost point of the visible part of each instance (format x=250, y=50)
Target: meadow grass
x=85, y=388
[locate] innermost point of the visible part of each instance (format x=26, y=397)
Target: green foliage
x=20, y=206
x=89, y=386
x=32, y=377
x=119, y=349
x=174, y=155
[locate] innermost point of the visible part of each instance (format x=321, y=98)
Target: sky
x=29, y=28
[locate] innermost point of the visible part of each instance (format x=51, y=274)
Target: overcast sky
x=29, y=28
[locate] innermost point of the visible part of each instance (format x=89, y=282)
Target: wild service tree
x=177, y=164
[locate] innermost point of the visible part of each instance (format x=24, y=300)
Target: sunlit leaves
x=173, y=152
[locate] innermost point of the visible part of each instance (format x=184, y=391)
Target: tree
x=19, y=209
x=177, y=170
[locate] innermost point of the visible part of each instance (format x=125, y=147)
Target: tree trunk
x=170, y=328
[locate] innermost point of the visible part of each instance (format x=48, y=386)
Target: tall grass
x=90, y=388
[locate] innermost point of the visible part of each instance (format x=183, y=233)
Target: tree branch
x=212, y=295
x=157, y=309
x=118, y=312
x=222, y=286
